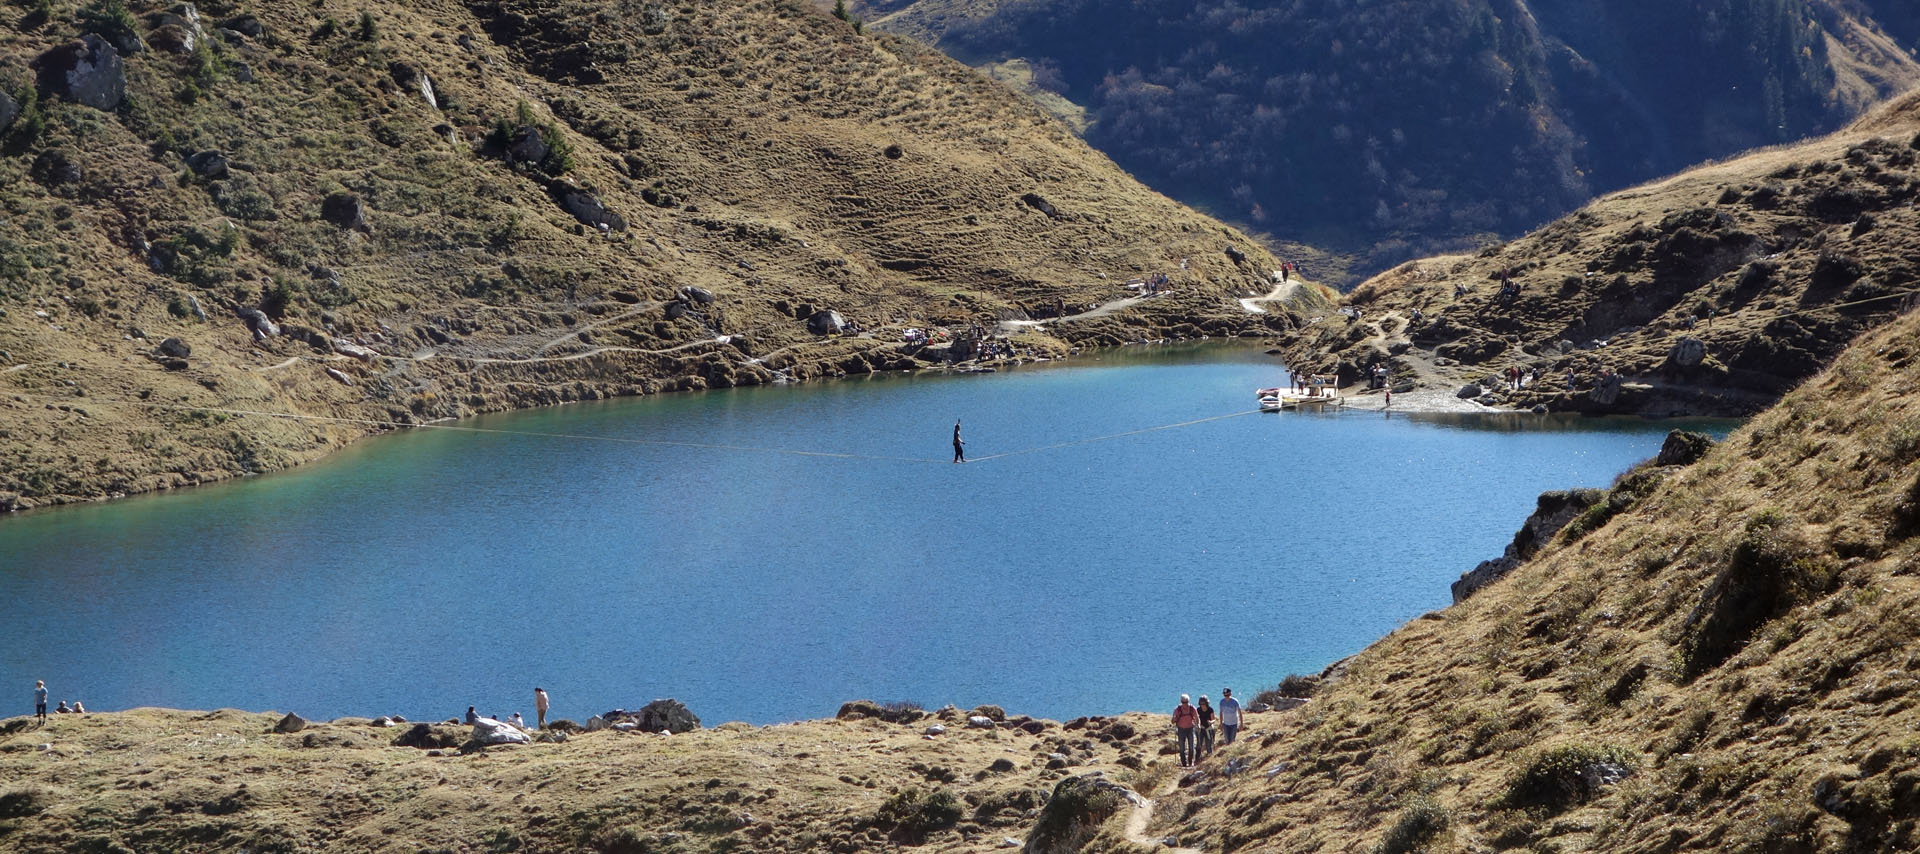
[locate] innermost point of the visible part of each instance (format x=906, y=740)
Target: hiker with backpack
x=1185, y=718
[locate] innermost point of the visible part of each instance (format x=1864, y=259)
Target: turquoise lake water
x=424, y=572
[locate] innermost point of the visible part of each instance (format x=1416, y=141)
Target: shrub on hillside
x=911, y=813
x=1629, y=489
x=1568, y=774
x=1295, y=685
x=1420, y=821
x=1770, y=570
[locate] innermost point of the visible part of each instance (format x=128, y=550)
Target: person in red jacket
x=1184, y=719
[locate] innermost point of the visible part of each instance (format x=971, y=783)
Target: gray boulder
x=246, y=25
x=698, y=295
x=1607, y=391
x=1688, y=352
x=980, y=722
x=175, y=348
x=596, y=723
x=290, y=723
x=9, y=110
x=1551, y=512
x=344, y=210
x=586, y=207
x=669, y=716
x=263, y=326
x=1469, y=391
x=490, y=731
x=1075, y=811
x=526, y=145
x=208, y=164
x=352, y=350
x=826, y=322
x=1683, y=448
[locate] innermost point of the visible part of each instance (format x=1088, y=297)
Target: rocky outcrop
x=586, y=207
x=1075, y=811
x=826, y=322
x=526, y=145
x=9, y=110
x=1551, y=512
x=85, y=71
x=290, y=723
x=344, y=210
x=259, y=323
x=1683, y=448
x=658, y=716
x=208, y=164
x=1687, y=352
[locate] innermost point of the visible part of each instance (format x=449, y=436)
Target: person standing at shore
x=40, y=699
x=1184, y=718
x=959, y=447
x=1205, y=731
x=1229, y=715
x=540, y=708
x=472, y=715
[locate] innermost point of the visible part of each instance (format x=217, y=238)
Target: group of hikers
x=40, y=703
x=1194, y=725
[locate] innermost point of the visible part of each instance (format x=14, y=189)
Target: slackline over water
x=375, y=422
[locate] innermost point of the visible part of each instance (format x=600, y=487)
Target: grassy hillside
x=1393, y=130
x=1725, y=665
x=156, y=780
x=1765, y=267
x=522, y=193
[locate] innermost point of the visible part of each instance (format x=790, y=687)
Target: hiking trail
x=1142, y=816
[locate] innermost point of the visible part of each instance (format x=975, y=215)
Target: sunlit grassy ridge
x=760, y=150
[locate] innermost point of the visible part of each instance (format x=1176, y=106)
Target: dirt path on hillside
x=572, y=334
x=1008, y=327
x=1280, y=293
x=1143, y=815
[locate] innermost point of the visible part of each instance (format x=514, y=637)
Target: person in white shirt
x=1229, y=716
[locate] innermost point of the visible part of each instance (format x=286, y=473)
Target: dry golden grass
x=759, y=149
x=162, y=780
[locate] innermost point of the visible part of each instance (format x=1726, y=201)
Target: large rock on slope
x=1075, y=811
x=85, y=71
x=658, y=716
x=1550, y=513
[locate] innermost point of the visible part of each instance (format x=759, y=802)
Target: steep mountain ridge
x=440, y=208
x=1710, y=292
x=1393, y=129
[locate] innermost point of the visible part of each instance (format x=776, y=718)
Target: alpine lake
x=765, y=554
